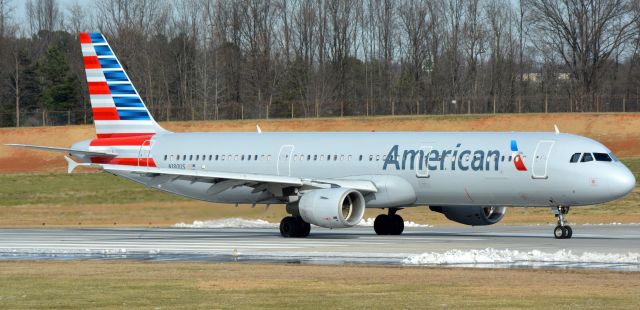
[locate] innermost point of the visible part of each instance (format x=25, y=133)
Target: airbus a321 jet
x=328, y=179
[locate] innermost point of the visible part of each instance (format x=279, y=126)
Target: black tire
x=559, y=232
x=569, y=232
x=396, y=225
x=381, y=224
x=305, y=228
x=289, y=227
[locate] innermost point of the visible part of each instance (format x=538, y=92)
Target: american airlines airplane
x=328, y=179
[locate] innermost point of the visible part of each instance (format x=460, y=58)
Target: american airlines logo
x=455, y=159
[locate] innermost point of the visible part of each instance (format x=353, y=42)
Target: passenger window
x=587, y=157
x=190, y=157
x=217, y=157
x=165, y=157
x=315, y=157
x=360, y=157
x=377, y=157
x=341, y=157
x=197, y=157
x=370, y=157
x=255, y=157
x=349, y=158
x=184, y=157
x=308, y=157
x=268, y=157
x=602, y=157
x=575, y=158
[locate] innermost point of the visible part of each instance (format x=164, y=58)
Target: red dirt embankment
x=619, y=132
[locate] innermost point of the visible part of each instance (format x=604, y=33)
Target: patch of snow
x=228, y=223
x=611, y=224
x=493, y=256
x=369, y=223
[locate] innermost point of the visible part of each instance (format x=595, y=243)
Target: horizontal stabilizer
x=62, y=149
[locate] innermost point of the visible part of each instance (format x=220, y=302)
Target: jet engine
x=332, y=207
x=472, y=215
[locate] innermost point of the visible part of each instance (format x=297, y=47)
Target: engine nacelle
x=332, y=207
x=472, y=215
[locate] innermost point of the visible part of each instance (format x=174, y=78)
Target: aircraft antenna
x=258, y=128
x=556, y=128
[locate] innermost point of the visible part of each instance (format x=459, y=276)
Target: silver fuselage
x=444, y=168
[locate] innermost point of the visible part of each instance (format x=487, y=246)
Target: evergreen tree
x=59, y=84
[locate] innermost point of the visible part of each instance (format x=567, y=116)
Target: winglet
x=71, y=164
x=258, y=128
x=556, y=128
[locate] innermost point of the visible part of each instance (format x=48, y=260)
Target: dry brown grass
x=124, y=284
x=620, y=132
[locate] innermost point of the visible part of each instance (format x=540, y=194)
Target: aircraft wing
x=62, y=149
x=224, y=180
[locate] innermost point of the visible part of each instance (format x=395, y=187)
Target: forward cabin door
x=283, y=166
x=541, y=159
x=144, y=153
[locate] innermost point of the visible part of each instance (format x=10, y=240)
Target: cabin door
x=421, y=162
x=541, y=159
x=283, y=166
x=144, y=153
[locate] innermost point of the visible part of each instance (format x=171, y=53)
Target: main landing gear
x=294, y=227
x=561, y=231
x=389, y=224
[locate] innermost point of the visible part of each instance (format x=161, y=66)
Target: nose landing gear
x=561, y=231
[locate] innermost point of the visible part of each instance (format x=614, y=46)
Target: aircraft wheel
x=396, y=225
x=569, y=232
x=559, y=232
x=305, y=228
x=381, y=224
x=289, y=227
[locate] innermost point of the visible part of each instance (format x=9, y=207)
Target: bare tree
x=585, y=34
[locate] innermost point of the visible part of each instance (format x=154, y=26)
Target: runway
x=592, y=246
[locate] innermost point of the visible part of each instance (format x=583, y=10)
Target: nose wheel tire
x=562, y=232
x=388, y=224
x=294, y=227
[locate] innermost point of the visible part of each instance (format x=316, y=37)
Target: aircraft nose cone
x=622, y=182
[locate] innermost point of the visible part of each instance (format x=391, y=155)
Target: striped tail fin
x=118, y=110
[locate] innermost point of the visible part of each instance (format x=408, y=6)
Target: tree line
x=216, y=59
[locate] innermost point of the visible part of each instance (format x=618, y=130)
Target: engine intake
x=472, y=215
x=332, y=207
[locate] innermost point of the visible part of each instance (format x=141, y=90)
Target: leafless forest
x=215, y=59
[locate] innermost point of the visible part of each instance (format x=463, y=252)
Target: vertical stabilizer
x=118, y=110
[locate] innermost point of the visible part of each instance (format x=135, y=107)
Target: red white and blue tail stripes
x=123, y=123
x=118, y=110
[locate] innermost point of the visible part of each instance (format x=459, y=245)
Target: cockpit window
x=575, y=158
x=602, y=157
x=586, y=157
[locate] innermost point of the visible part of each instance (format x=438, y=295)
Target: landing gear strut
x=561, y=231
x=294, y=227
x=389, y=224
